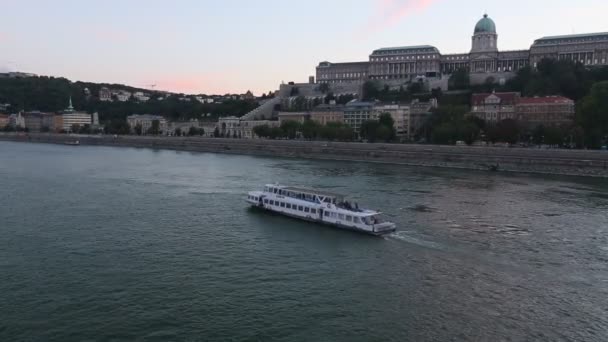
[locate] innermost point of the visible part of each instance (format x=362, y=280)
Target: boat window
x=282, y=204
x=300, y=208
x=334, y=215
x=313, y=211
x=271, y=202
x=357, y=220
x=341, y=216
x=288, y=206
x=306, y=209
x=266, y=201
x=349, y=218
x=248, y=197
x=274, y=190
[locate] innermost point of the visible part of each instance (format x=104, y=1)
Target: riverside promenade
x=530, y=160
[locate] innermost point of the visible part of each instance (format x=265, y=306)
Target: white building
x=141, y=97
x=16, y=120
x=123, y=96
x=71, y=117
x=145, y=122
x=105, y=95
x=400, y=115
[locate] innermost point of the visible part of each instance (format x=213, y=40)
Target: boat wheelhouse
x=319, y=206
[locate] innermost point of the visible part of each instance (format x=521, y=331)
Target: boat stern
x=255, y=198
x=384, y=228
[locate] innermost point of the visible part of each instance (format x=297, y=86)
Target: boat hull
x=321, y=222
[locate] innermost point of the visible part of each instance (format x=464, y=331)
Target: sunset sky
x=235, y=45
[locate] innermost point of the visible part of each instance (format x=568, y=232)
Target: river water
x=119, y=244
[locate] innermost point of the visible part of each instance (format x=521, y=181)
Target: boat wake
x=407, y=237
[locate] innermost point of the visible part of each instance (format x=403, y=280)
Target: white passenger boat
x=319, y=206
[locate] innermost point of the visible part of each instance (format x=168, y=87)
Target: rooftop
x=405, y=48
x=308, y=191
x=571, y=36
x=145, y=117
x=545, y=99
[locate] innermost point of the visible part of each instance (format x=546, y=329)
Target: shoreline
x=586, y=163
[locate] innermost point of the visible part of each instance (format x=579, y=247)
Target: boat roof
x=309, y=191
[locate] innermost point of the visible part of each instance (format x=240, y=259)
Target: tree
x=369, y=130
x=310, y=129
x=75, y=128
x=155, y=128
x=234, y=136
x=387, y=127
x=262, y=131
x=300, y=104
x=324, y=88
x=290, y=129
x=370, y=90
x=276, y=132
x=415, y=87
x=178, y=132
x=192, y=131
x=508, y=131
x=216, y=132
x=138, y=129
x=459, y=80
x=592, y=115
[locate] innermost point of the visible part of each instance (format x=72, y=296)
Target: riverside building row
x=65, y=121
x=482, y=61
x=529, y=111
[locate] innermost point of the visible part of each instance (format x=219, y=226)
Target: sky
x=231, y=46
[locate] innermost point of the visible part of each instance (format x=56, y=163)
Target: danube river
x=120, y=244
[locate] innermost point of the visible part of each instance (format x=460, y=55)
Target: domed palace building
x=399, y=65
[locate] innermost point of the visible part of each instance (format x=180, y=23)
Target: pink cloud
x=3, y=37
x=196, y=83
x=390, y=12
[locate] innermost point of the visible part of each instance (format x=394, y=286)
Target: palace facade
x=484, y=59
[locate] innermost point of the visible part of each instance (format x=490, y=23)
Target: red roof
x=545, y=100
x=505, y=98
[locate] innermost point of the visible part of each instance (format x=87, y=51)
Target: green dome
x=485, y=25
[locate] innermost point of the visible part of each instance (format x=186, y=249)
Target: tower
x=484, y=50
x=485, y=38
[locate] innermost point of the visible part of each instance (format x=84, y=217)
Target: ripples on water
x=126, y=244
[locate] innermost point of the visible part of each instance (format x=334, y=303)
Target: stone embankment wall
x=563, y=162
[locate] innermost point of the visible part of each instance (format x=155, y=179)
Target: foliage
x=155, y=128
x=178, y=132
x=592, y=115
x=324, y=88
x=507, y=130
x=262, y=131
x=459, y=80
x=192, y=131
x=139, y=130
x=290, y=129
x=50, y=94
x=310, y=130
x=379, y=130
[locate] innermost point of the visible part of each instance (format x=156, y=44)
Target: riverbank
x=558, y=162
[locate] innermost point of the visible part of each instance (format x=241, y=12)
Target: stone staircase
x=264, y=111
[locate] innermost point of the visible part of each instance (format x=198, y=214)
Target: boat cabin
x=309, y=195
